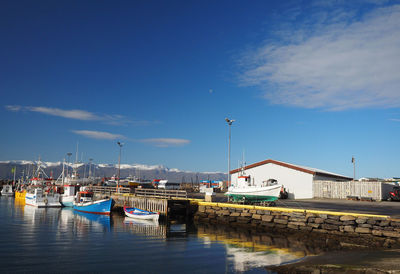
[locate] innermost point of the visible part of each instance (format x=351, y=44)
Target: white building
x=297, y=180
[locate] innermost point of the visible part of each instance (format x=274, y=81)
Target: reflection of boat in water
x=244, y=259
x=244, y=255
x=147, y=228
x=39, y=215
x=93, y=220
x=67, y=217
x=140, y=222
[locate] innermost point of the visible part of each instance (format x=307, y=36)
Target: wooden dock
x=145, y=203
x=157, y=200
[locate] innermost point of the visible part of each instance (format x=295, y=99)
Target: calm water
x=61, y=240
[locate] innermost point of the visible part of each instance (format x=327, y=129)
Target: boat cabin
x=84, y=196
x=69, y=190
x=37, y=191
x=165, y=184
x=7, y=189
x=243, y=181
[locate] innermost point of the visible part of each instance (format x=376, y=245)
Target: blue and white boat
x=137, y=213
x=84, y=203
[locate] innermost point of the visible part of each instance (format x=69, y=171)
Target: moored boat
x=7, y=190
x=36, y=197
x=84, y=202
x=20, y=194
x=243, y=190
x=137, y=213
x=68, y=197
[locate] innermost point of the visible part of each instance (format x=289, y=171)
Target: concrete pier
x=379, y=228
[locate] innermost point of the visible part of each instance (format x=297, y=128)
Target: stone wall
x=382, y=229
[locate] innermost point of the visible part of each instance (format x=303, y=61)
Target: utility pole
x=119, y=163
x=229, y=121
x=353, y=160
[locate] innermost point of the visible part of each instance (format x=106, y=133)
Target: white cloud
x=83, y=115
x=338, y=65
x=71, y=114
x=13, y=108
x=165, y=142
x=98, y=134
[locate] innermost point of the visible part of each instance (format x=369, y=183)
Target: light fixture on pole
x=353, y=160
x=119, y=163
x=229, y=121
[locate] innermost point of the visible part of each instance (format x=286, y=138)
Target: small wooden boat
x=137, y=213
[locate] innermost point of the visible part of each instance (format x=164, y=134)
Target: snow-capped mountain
x=108, y=170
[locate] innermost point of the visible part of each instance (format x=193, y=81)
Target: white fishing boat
x=68, y=197
x=244, y=190
x=7, y=190
x=36, y=197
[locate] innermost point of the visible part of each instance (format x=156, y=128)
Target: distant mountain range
x=54, y=169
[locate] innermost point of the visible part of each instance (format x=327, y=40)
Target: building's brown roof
x=299, y=168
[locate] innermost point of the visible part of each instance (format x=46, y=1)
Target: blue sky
x=308, y=82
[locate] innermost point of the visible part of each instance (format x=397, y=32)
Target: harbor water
x=48, y=240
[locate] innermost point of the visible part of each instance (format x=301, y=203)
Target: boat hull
x=102, y=207
x=42, y=201
x=141, y=214
x=255, y=194
x=20, y=195
x=67, y=201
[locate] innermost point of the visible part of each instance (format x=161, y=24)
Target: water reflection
x=245, y=252
x=66, y=220
x=92, y=222
x=145, y=227
x=77, y=242
x=37, y=216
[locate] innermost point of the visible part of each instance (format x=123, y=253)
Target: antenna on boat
x=243, y=164
x=76, y=156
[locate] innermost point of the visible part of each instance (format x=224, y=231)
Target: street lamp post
x=119, y=163
x=229, y=121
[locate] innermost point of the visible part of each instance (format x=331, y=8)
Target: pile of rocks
x=349, y=225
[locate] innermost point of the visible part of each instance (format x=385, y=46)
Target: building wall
x=298, y=184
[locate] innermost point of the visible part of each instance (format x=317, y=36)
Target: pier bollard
x=208, y=197
x=209, y=193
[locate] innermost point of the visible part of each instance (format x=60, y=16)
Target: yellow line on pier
x=283, y=209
